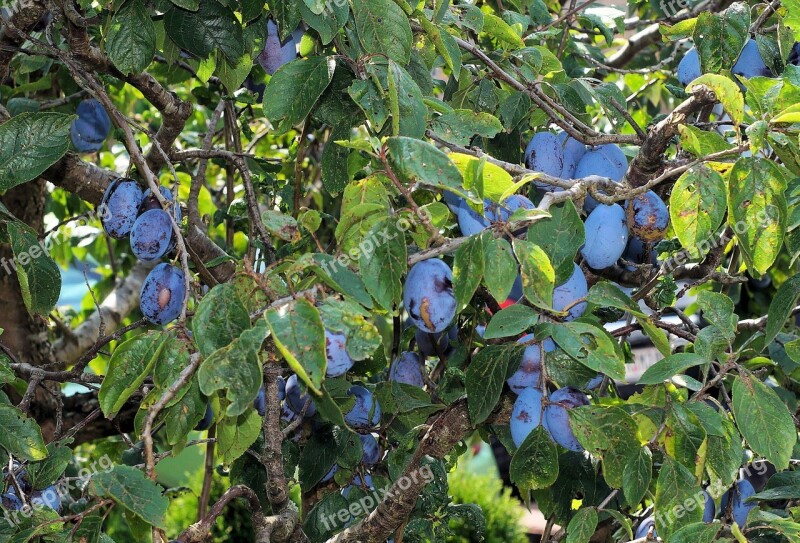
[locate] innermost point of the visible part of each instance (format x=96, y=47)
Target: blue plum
x=526, y=414
x=572, y=289
x=556, y=417
x=328, y=476
x=469, y=221
x=365, y=413
x=573, y=153
x=10, y=501
x=208, y=418
x=515, y=295
x=741, y=490
x=260, y=403
x=151, y=235
x=648, y=216
x=794, y=55
x=372, y=451
x=296, y=398
x=603, y=163
x=162, y=294
x=644, y=528
x=276, y=53
x=364, y=484
x=529, y=372
x=689, y=67
x=120, y=207
x=335, y=350
x=544, y=154
x=47, y=498
x=750, y=64
x=91, y=128
x=433, y=344
x=594, y=382
x=428, y=295
x=501, y=212
x=709, y=509
x=407, y=368
x=606, y=236
x=635, y=252
x=151, y=202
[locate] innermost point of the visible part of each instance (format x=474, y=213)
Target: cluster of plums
x=127, y=211
x=49, y=497
x=91, y=128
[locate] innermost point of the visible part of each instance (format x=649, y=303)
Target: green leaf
x=697, y=208
x=21, y=436
x=281, y=225
x=461, y=125
x=29, y=144
x=38, y=275
x=383, y=262
x=535, y=463
x=781, y=306
x=486, y=374
x=383, y=28
x=538, y=276
x=757, y=210
x=181, y=417
x=497, y=28
x=294, y=89
x=300, y=337
x=700, y=142
x=213, y=27
x=511, y=321
x=219, y=319
x=757, y=408
x=131, y=41
x=406, y=103
x=610, y=434
x=349, y=318
x=499, y=261
x=582, y=526
x=341, y=278
x=676, y=485
x=587, y=344
x=485, y=179
x=636, y=476
x=46, y=472
x=327, y=24
x=468, y=269
x=130, y=364
x=129, y=487
x=560, y=236
x=419, y=161
x=720, y=37
x=727, y=92
x=697, y=532
x=668, y=367
x=237, y=369
x=236, y=434
x=685, y=438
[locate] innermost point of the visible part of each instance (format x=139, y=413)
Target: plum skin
x=526, y=414
x=529, y=372
x=604, y=161
x=151, y=235
x=372, y=451
x=119, y=207
x=556, y=418
x=606, y=236
x=91, y=128
x=162, y=294
x=407, y=369
x=296, y=398
x=647, y=216
x=573, y=152
x=644, y=528
x=208, y=418
x=366, y=412
x=689, y=67
x=336, y=353
x=428, y=295
x=276, y=53
x=567, y=292
x=433, y=344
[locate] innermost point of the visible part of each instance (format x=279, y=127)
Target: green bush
x=501, y=510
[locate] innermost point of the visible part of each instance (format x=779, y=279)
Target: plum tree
x=648, y=216
x=565, y=294
x=689, y=67
x=161, y=298
x=407, y=368
x=556, y=418
x=526, y=414
x=606, y=236
x=336, y=352
x=529, y=372
x=428, y=295
x=276, y=53
x=434, y=344
x=151, y=235
x=750, y=64
x=120, y=207
x=91, y=128
x=365, y=413
x=296, y=398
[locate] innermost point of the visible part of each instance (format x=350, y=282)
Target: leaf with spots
x=300, y=337
x=697, y=207
x=382, y=261
x=486, y=375
x=129, y=487
x=21, y=435
x=418, y=161
x=383, y=28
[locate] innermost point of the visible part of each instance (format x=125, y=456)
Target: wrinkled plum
x=648, y=216
x=338, y=359
x=529, y=372
x=526, y=414
x=91, y=128
x=151, y=235
x=567, y=292
x=162, y=294
x=556, y=418
x=428, y=295
x=120, y=207
x=365, y=413
x=606, y=236
x=408, y=369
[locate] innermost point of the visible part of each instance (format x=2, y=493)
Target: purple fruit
x=644, y=528
x=556, y=418
x=594, y=382
x=606, y=236
x=526, y=414
x=276, y=53
x=603, y=162
x=260, y=403
x=151, y=202
x=635, y=252
x=742, y=490
x=750, y=64
x=296, y=398
x=648, y=216
x=338, y=359
x=545, y=154
x=208, y=418
x=573, y=152
x=428, y=295
x=91, y=128
x=794, y=55
x=709, y=510
x=281, y=388
x=408, y=369
x=10, y=501
x=328, y=476
x=151, y=235
x=689, y=67
x=365, y=413
x=119, y=208
x=529, y=372
x=469, y=222
x=364, y=485
x=47, y=498
x=572, y=289
x=433, y=344
x=502, y=212
x=162, y=294
x=372, y=451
